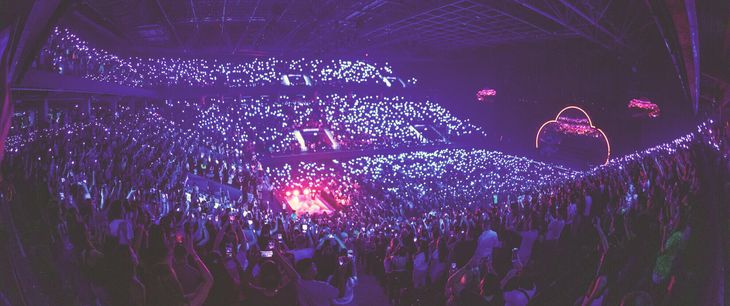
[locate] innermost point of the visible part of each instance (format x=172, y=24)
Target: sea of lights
x=468, y=174
x=66, y=53
x=461, y=175
x=703, y=133
x=455, y=175
x=356, y=121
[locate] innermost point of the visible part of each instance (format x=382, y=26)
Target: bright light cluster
x=312, y=177
x=470, y=175
x=16, y=142
x=66, y=53
x=485, y=93
x=703, y=133
x=645, y=105
x=356, y=121
x=463, y=176
x=575, y=126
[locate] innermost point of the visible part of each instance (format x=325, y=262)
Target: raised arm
x=200, y=294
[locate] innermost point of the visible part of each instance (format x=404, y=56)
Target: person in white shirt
x=529, y=235
x=589, y=203
x=420, y=265
x=488, y=240
x=554, y=229
x=437, y=264
x=311, y=292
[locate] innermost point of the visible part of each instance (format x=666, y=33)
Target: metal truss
x=463, y=23
x=590, y=19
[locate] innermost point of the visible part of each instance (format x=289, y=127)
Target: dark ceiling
x=276, y=27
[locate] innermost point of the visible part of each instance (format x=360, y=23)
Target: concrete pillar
x=44, y=113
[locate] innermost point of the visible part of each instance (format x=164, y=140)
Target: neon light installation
x=575, y=126
x=485, y=93
x=645, y=105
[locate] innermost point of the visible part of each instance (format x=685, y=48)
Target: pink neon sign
x=574, y=126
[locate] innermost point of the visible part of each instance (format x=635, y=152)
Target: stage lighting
x=485, y=93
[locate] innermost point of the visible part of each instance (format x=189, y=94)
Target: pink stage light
x=483, y=94
x=576, y=127
x=645, y=105
x=296, y=193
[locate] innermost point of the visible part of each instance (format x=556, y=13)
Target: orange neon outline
x=590, y=122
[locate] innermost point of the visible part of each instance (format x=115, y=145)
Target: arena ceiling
x=273, y=27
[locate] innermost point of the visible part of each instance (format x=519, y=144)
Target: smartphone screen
x=267, y=254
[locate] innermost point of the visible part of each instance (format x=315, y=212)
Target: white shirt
x=554, y=229
x=528, y=240
x=437, y=267
x=315, y=293
x=420, y=266
x=487, y=241
x=589, y=203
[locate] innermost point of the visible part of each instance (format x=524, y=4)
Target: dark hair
x=157, y=249
x=443, y=250
x=304, y=265
x=180, y=252
x=116, y=211
x=525, y=281
x=269, y=275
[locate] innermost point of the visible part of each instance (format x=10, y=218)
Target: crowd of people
x=66, y=53
x=356, y=122
x=450, y=227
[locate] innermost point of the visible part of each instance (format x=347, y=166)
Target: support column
x=44, y=113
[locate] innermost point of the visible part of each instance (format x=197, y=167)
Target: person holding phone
x=270, y=287
x=312, y=292
x=345, y=280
